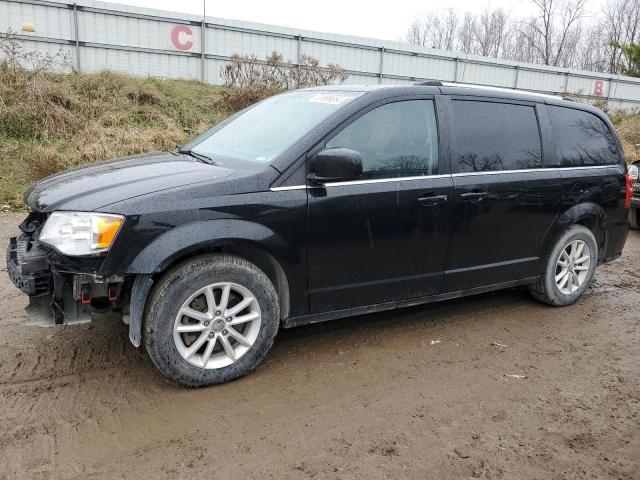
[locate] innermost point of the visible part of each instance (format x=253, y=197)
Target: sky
x=386, y=20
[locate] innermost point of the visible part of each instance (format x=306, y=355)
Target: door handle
x=432, y=200
x=474, y=197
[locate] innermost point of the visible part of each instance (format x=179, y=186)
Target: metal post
x=566, y=82
x=75, y=27
x=611, y=91
x=381, y=71
x=299, y=50
x=203, y=41
x=455, y=74
x=463, y=67
x=606, y=100
x=515, y=85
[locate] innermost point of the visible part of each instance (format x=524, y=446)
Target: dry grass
x=51, y=122
x=628, y=128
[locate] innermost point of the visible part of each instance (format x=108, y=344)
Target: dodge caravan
x=325, y=203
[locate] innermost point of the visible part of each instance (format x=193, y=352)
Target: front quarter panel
x=166, y=232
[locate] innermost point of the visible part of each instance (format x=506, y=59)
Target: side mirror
x=334, y=165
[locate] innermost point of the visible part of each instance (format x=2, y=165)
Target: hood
x=89, y=188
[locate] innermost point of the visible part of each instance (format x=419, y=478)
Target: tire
x=546, y=289
x=634, y=218
x=168, y=346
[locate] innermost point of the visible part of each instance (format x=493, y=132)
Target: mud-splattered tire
x=550, y=288
x=188, y=305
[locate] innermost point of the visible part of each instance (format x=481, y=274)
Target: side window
x=582, y=138
x=489, y=136
x=398, y=139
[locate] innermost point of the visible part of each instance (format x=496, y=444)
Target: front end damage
x=61, y=290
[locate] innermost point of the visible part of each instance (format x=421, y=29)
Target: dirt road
x=494, y=386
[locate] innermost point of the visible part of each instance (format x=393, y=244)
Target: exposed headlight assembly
x=80, y=233
x=633, y=171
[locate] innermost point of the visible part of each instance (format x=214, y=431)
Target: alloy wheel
x=572, y=268
x=217, y=325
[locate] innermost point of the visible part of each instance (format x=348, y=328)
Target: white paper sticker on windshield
x=330, y=98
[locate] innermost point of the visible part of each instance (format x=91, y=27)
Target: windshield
x=264, y=131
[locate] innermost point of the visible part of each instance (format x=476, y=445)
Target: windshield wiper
x=199, y=156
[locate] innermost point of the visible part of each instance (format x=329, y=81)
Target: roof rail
x=429, y=83
x=568, y=99
x=501, y=89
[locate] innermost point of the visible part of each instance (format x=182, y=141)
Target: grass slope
x=50, y=122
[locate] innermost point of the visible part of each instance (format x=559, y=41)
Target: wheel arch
x=587, y=214
x=254, y=242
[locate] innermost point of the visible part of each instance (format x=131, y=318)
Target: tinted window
x=491, y=136
x=394, y=140
x=582, y=138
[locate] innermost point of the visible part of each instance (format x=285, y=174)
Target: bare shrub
x=249, y=80
x=31, y=104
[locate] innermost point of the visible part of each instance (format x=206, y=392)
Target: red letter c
x=185, y=42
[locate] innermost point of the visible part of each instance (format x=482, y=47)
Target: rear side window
x=582, y=138
x=398, y=139
x=491, y=136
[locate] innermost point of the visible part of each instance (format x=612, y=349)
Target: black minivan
x=325, y=203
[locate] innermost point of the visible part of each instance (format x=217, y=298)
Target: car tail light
x=629, y=191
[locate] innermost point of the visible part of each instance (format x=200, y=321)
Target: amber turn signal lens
x=107, y=229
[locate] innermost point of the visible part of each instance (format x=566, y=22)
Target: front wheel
x=211, y=320
x=569, y=267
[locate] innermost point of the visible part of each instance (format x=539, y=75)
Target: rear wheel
x=568, y=267
x=211, y=320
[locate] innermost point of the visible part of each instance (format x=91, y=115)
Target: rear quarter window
x=582, y=139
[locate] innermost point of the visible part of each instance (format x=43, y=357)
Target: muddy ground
x=493, y=386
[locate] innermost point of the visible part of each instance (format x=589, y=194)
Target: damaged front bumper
x=61, y=295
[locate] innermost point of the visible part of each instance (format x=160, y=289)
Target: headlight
x=633, y=171
x=78, y=233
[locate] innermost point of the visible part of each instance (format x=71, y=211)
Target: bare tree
x=622, y=26
x=491, y=30
x=558, y=34
x=435, y=30
x=592, y=52
x=516, y=47
x=553, y=28
x=445, y=30
x=418, y=33
x=467, y=33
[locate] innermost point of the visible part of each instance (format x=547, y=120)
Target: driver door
x=382, y=237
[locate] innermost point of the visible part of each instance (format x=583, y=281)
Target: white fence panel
x=55, y=23
x=151, y=42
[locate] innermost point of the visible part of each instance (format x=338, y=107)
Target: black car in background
x=325, y=203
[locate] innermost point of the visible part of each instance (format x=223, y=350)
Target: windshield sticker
x=330, y=98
